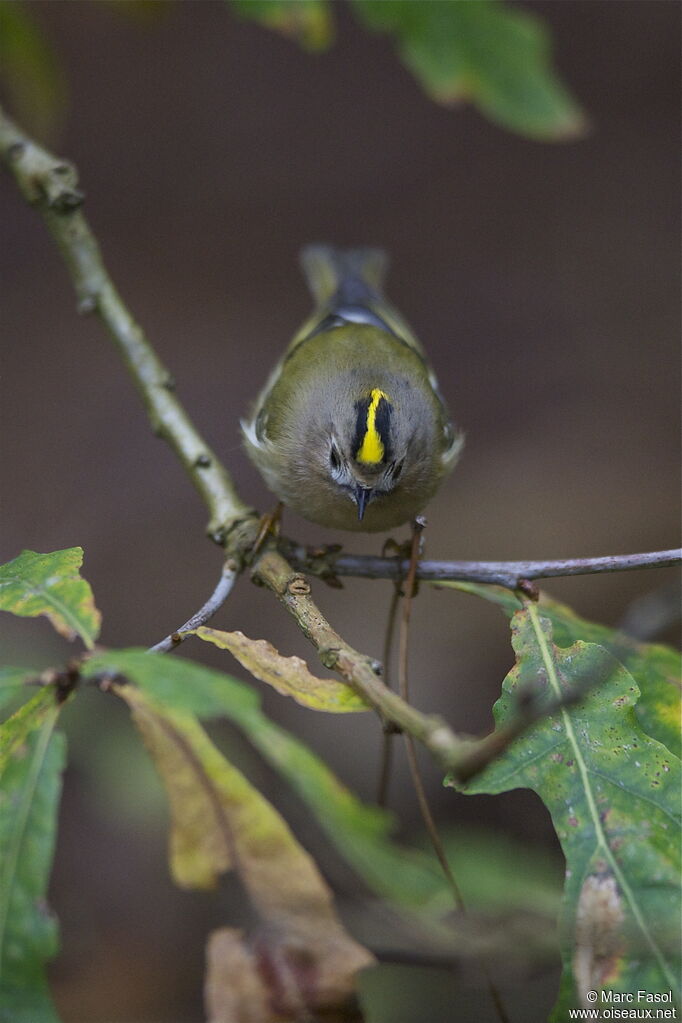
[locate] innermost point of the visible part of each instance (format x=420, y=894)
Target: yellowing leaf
x=15, y=731
x=220, y=819
x=360, y=832
x=50, y=584
x=13, y=684
x=201, y=832
x=288, y=675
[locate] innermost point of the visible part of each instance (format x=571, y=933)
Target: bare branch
x=360, y=671
x=501, y=573
x=228, y=578
x=51, y=186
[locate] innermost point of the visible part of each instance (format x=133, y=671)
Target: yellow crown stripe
x=371, y=451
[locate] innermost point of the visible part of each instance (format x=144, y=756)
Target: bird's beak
x=363, y=495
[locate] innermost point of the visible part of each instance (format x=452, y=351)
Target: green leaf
x=484, y=52
x=179, y=684
x=500, y=873
x=49, y=584
x=31, y=761
x=12, y=684
x=657, y=669
x=613, y=793
x=29, y=69
x=15, y=731
x=221, y=820
x=307, y=22
x=288, y=675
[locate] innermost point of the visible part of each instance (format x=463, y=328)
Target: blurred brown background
x=544, y=282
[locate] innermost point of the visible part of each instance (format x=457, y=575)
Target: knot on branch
x=529, y=589
x=64, y=681
x=237, y=535
x=329, y=656
x=442, y=743
x=298, y=586
x=43, y=179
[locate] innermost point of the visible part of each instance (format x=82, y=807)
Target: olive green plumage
x=350, y=430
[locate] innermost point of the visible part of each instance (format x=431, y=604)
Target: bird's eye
x=397, y=469
x=334, y=458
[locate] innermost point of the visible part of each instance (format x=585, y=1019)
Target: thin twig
x=528, y=712
x=501, y=573
x=387, y=733
x=413, y=763
x=652, y=613
x=403, y=687
x=228, y=578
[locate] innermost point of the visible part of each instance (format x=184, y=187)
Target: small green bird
x=351, y=430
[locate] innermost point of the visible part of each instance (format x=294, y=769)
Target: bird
x=351, y=430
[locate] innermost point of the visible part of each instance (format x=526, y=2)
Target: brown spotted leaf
x=613, y=793
x=656, y=668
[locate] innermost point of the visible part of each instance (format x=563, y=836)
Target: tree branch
x=502, y=573
x=360, y=671
x=51, y=186
x=529, y=710
x=228, y=578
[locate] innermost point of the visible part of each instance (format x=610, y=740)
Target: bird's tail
x=344, y=276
